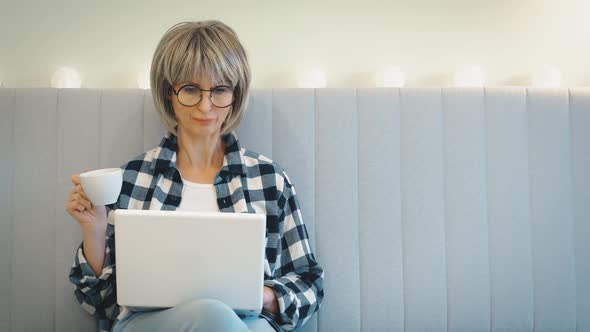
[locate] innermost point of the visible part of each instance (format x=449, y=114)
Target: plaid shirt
x=247, y=183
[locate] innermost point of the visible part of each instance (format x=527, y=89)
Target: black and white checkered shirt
x=248, y=182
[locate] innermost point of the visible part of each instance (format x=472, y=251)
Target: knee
x=208, y=307
x=211, y=315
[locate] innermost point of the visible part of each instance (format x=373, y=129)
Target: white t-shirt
x=198, y=197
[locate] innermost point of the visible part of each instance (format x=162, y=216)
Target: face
x=203, y=119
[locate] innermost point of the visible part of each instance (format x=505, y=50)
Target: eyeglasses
x=190, y=95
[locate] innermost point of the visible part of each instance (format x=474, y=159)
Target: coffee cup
x=102, y=186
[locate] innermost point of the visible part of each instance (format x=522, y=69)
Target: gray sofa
x=430, y=209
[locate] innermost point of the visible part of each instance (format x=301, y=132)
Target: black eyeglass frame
x=233, y=97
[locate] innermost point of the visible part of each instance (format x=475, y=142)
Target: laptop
x=165, y=258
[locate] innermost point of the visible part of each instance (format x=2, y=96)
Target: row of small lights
x=466, y=76
x=390, y=76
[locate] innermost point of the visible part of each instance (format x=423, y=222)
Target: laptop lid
x=164, y=258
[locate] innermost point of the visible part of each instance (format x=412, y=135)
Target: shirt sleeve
x=298, y=280
x=97, y=294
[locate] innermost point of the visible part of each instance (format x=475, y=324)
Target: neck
x=200, y=152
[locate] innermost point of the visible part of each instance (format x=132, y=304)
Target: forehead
x=203, y=81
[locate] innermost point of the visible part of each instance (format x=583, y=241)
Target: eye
x=221, y=90
x=191, y=89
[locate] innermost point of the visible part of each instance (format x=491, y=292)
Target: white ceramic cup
x=102, y=186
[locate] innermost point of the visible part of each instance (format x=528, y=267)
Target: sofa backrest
x=429, y=209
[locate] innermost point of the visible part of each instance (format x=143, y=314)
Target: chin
x=204, y=130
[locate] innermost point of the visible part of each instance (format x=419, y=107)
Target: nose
x=205, y=104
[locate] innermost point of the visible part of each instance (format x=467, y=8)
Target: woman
x=200, y=79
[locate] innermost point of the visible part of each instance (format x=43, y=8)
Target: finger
x=80, y=207
x=73, y=196
x=74, y=207
x=74, y=190
x=90, y=204
x=83, y=201
x=77, y=191
x=81, y=191
x=75, y=179
x=86, y=204
x=70, y=206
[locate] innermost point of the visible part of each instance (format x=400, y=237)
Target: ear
x=169, y=94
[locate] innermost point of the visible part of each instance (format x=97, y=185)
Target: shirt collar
x=165, y=156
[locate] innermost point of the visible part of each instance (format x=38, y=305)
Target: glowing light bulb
x=66, y=77
x=547, y=77
x=470, y=76
x=390, y=76
x=313, y=78
x=143, y=79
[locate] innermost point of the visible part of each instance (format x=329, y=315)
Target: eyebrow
x=199, y=86
x=191, y=83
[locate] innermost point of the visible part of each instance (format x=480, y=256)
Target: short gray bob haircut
x=192, y=49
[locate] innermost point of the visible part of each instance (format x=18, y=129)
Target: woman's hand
x=269, y=302
x=79, y=206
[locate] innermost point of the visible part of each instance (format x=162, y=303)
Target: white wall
x=109, y=41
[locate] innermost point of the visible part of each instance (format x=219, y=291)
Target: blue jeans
x=196, y=315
